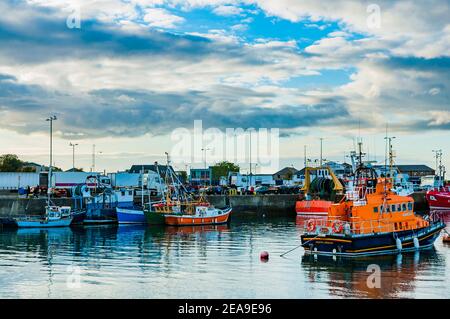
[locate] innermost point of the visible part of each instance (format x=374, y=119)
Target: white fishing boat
x=55, y=216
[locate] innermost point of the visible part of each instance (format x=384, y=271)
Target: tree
x=10, y=163
x=222, y=169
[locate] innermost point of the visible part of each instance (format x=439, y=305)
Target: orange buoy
x=264, y=256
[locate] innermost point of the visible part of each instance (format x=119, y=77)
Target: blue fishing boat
x=130, y=215
x=55, y=216
x=97, y=205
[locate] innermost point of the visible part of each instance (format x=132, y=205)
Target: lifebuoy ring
x=338, y=227
x=311, y=226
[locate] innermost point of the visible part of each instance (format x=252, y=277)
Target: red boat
x=439, y=198
x=312, y=207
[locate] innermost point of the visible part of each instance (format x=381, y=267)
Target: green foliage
x=222, y=169
x=10, y=163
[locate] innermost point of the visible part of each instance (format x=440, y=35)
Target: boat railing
x=337, y=225
x=31, y=217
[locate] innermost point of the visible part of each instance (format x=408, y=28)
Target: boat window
x=388, y=209
x=400, y=224
x=381, y=209
x=375, y=209
x=130, y=192
x=393, y=208
x=399, y=207
x=403, y=206
x=409, y=206
x=122, y=193
x=395, y=226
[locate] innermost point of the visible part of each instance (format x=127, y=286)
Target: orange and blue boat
x=370, y=220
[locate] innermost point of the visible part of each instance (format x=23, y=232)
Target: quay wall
x=269, y=205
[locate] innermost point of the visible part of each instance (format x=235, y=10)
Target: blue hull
x=44, y=224
x=371, y=244
x=130, y=216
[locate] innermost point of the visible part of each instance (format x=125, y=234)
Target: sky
x=124, y=75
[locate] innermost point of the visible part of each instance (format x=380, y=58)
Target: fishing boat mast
x=49, y=179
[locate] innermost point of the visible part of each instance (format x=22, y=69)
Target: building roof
x=201, y=169
x=409, y=168
x=32, y=164
x=286, y=170
x=138, y=168
x=418, y=168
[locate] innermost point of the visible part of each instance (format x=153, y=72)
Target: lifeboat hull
x=193, y=220
x=438, y=200
x=312, y=207
x=371, y=244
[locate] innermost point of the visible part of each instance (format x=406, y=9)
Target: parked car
x=262, y=190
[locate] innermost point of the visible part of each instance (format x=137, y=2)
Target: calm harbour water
x=203, y=262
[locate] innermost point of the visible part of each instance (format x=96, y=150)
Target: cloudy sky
x=124, y=74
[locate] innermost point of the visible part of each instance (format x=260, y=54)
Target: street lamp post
x=73, y=155
x=50, y=119
x=94, y=153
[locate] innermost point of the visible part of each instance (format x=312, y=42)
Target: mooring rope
x=297, y=246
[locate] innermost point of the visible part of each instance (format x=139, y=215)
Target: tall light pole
x=250, y=157
x=50, y=119
x=73, y=155
x=304, y=151
x=94, y=153
x=93, y=158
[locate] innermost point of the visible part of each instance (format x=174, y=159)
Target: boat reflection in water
x=354, y=278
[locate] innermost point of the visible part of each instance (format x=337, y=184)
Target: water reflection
x=134, y=261
x=348, y=277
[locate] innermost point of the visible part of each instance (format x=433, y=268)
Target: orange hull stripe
x=178, y=220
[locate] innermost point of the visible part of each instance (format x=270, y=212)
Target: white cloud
x=227, y=10
x=161, y=18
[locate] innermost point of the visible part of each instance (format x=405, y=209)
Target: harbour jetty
x=268, y=204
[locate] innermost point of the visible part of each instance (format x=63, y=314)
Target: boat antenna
x=385, y=168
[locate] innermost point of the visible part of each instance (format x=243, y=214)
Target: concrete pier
x=269, y=205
